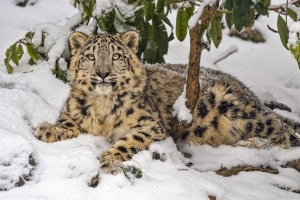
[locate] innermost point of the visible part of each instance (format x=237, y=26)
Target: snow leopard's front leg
x=139, y=138
x=65, y=128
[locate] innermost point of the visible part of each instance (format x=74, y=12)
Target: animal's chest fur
x=103, y=116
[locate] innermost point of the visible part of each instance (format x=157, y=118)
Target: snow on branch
x=196, y=17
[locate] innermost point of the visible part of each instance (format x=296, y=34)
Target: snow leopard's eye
x=91, y=56
x=116, y=56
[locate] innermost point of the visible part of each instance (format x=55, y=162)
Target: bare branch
x=225, y=54
x=271, y=29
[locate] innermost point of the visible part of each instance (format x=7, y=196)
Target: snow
x=64, y=169
x=294, y=29
x=196, y=17
x=180, y=110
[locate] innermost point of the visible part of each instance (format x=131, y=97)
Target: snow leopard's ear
x=76, y=41
x=131, y=39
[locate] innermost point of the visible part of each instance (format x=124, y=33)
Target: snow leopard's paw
x=111, y=162
x=46, y=132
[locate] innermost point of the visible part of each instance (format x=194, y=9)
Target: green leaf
x=216, y=31
x=160, y=35
x=106, y=20
x=208, y=38
x=149, y=9
x=143, y=36
x=295, y=50
x=190, y=10
x=32, y=51
x=6, y=61
x=132, y=172
x=159, y=58
x=241, y=8
x=9, y=69
x=31, y=62
x=168, y=22
x=14, y=54
x=182, y=19
x=261, y=9
x=171, y=37
x=20, y=51
x=8, y=53
x=149, y=31
x=228, y=4
x=160, y=7
x=59, y=73
x=292, y=14
x=229, y=20
x=281, y=26
x=150, y=51
x=266, y=3
x=131, y=1
x=29, y=35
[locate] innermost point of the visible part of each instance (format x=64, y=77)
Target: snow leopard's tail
x=273, y=105
x=293, y=128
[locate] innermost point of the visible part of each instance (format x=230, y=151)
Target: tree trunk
x=193, y=87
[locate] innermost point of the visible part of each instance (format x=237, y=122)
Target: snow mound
x=14, y=159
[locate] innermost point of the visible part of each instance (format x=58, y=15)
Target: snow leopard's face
x=104, y=61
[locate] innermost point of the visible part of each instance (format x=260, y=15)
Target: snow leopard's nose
x=103, y=75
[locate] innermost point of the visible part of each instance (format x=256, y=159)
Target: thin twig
x=271, y=29
x=226, y=55
x=286, y=27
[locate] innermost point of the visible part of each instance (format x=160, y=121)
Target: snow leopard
x=113, y=94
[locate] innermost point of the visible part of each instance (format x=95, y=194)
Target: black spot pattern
x=138, y=138
x=81, y=101
x=214, y=122
x=269, y=122
x=259, y=127
x=48, y=134
x=199, y=131
x=223, y=107
x=145, y=134
x=122, y=149
x=185, y=134
x=249, y=127
x=144, y=118
x=85, y=110
x=252, y=115
x=211, y=99
x=244, y=115
x=229, y=91
x=62, y=120
x=202, y=109
x=69, y=124
x=234, y=113
x=118, y=124
x=129, y=111
x=270, y=131
x=134, y=150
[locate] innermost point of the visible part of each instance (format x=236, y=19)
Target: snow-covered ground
x=64, y=169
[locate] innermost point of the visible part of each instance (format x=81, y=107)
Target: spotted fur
x=114, y=95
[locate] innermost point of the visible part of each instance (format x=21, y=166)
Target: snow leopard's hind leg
x=228, y=112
